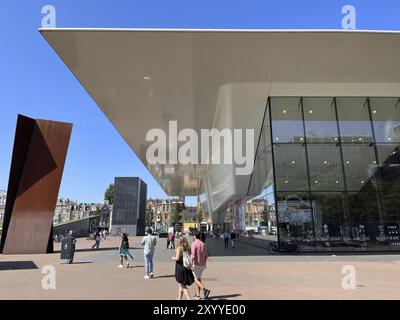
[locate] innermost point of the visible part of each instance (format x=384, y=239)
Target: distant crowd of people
x=232, y=236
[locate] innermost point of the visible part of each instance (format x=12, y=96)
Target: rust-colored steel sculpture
x=40, y=149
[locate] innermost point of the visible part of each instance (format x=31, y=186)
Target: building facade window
x=335, y=173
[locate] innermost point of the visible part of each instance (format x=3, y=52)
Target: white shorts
x=198, y=271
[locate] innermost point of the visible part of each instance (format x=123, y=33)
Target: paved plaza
x=244, y=272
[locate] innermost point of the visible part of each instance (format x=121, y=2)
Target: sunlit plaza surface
x=244, y=272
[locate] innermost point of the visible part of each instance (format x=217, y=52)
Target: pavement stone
x=244, y=272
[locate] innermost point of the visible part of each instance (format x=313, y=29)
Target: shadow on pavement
x=17, y=265
x=94, y=250
x=216, y=248
x=166, y=276
x=82, y=262
x=131, y=267
x=224, y=297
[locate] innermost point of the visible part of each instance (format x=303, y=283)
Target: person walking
x=226, y=238
x=199, y=257
x=233, y=239
x=203, y=236
x=124, y=250
x=172, y=241
x=183, y=274
x=149, y=242
x=168, y=239
x=97, y=239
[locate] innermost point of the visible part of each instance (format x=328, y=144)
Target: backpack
x=187, y=260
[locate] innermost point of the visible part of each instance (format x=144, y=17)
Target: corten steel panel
x=31, y=207
x=22, y=139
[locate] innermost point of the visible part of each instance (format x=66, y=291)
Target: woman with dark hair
x=183, y=273
x=97, y=239
x=124, y=250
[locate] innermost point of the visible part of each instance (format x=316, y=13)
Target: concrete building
x=80, y=227
x=163, y=211
x=129, y=206
x=323, y=107
x=68, y=210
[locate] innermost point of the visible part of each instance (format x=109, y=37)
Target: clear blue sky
x=34, y=81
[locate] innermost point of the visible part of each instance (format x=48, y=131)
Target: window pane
x=320, y=120
x=360, y=166
x=368, y=222
x=290, y=167
x=295, y=217
x=263, y=172
x=326, y=172
x=332, y=222
x=386, y=119
x=354, y=120
x=287, y=120
x=389, y=177
x=262, y=176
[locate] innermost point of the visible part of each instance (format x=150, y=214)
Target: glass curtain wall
x=336, y=171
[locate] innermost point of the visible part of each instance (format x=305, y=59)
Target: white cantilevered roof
x=142, y=78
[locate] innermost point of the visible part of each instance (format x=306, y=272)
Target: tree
x=109, y=194
x=176, y=214
x=265, y=216
x=149, y=217
x=199, y=216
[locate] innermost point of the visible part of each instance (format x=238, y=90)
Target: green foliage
x=265, y=215
x=149, y=217
x=109, y=194
x=175, y=214
x=199, y=215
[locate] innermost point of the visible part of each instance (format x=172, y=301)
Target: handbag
x=187, y=260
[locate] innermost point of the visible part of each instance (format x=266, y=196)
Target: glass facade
x=335, y=173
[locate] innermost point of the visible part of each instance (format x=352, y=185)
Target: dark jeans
x=226, y=242
x=97, y=244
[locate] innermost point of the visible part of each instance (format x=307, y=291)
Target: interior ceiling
x=141, y=79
